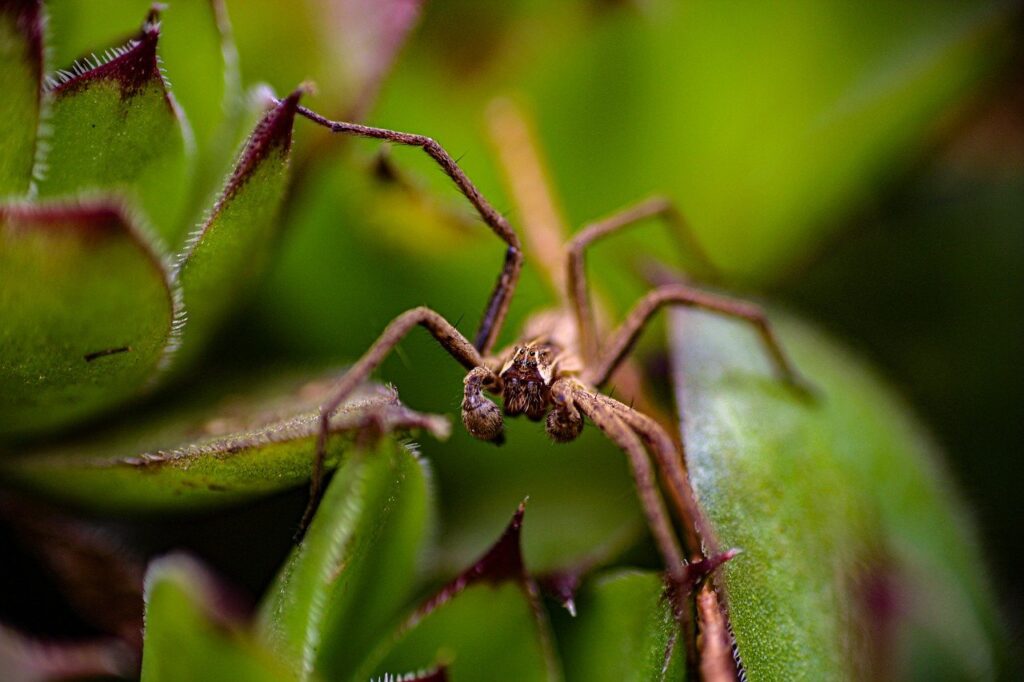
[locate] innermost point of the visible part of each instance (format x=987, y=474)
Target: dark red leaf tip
x=502, y=562
x=153, y=16
x=272, y=133
x=132, y=66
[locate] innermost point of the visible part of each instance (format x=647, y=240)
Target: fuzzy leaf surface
x=198, y=56
x=858, y=560
x=21, y=68
x=235, y=443
x=355, y=567
x=230, y=247
x=99, y=328
x=116, y=127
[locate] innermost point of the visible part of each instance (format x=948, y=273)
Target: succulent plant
x=99, y=199
x=135, y=216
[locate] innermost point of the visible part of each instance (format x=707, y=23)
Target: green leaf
x=191, y=633
x=858, y=560
x=21, y=77
x=117, y=127
x=235, y=442
x=356, y=565
x=485, y=628
x=100, y=328
x=221, y=258
x=624, y=628
x=488, y=618
x=197, y=51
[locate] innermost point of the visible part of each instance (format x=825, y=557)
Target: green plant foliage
x=624, y=628
x=197, y=55
x=107, y=288
x=191, y=633
x=488, y=618
x=235, y=443
x=484, y=628
x=356, y=566
x=858, y=560
x=21, y=66
x=221, y=259
x=118, y=139
x=116, y=128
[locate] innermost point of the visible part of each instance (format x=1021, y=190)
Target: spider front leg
x=480, y=415
x=504, y=288
x=698, y=532
x=623, y=339
x=566, y=392
x=576, y=271
x=448, y=336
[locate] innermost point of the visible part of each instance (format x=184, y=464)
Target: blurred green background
x=860, y=163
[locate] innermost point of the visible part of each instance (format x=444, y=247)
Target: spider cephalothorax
x=561, y=366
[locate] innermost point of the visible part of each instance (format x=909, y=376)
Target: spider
x=556, y=371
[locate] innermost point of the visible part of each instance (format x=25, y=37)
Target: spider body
x=524, y=383
x=558, y=368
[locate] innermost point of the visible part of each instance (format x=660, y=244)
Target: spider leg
x=623, y=339
x=604, y=416
x=698, y=533
x=448, y=336
x=576, y=271
x=501, y=297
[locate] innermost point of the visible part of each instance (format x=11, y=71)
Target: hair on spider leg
x=557, y=369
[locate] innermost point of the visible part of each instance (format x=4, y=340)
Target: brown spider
x=556, y=371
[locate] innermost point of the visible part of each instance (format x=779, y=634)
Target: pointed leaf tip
x=132, y=67
x=504, y=560
x=234, y=241
x=272, y=133
x=501, y=563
